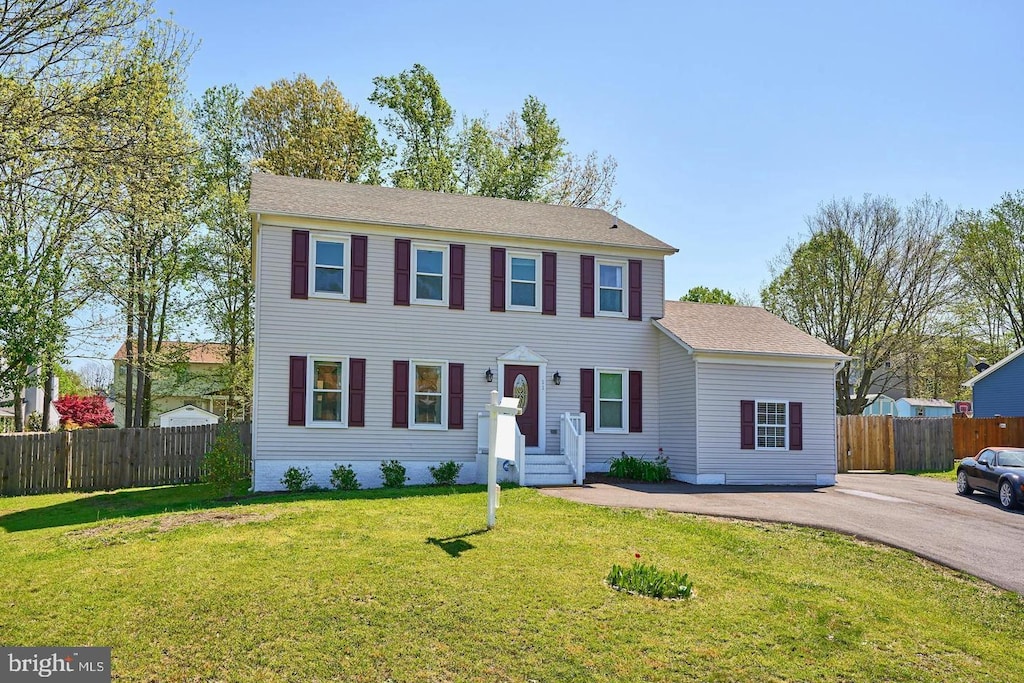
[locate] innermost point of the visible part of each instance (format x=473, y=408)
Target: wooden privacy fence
x=105, y=459
x=899, y=444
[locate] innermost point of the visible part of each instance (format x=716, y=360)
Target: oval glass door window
x=521, y=390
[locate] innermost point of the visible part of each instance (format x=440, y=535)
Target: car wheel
x=961, y=484
x=1006, y=497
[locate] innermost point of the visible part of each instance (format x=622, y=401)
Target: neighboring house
x=745, y=398
x=193, y=373
x=385, y=317
x=32, y=402
x=923, y=407
x=999, y=390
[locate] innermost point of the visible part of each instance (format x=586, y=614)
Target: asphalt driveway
x=922, y=515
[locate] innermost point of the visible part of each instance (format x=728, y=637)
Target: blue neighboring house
x=923, y=407
x=999, y=390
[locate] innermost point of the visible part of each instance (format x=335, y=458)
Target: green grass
x=945, y=475
x=406, y=585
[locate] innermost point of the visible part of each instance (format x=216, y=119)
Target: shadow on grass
x=456, y=545
x=141, y=502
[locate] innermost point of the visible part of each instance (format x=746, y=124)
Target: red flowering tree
x=83, y=411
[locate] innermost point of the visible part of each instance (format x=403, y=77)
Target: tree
x=989, y=249
x=83, y=411
x=226, y=284
x=704, y=295
x=142, y=257
x=421, y=121
x=297, y=128
x=585, y=183
x=866, y=281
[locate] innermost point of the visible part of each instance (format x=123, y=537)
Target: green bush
x=646, y=579
x=296, y=479
x=446, y=474
x=634, y=467
x=343, y=478
x=225, y=465
x=393, y=474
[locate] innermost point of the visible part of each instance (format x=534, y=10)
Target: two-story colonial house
x=385, y=317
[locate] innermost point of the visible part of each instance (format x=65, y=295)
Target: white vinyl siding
x=330, y=274
x=428, y=394
x=381, y=333
x=522, y=288
x=326, y=392
x=678, y=407
x=722, y=386
x=430, y=274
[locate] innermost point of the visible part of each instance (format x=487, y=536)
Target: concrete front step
x=558, y=479
x=544, y=459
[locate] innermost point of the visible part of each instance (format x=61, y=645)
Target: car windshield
x=1011, y=458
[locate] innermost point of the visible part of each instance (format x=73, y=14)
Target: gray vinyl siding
x=678, y=408
x=722, y=386
x=381, y=332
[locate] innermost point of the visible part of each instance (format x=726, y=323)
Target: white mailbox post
x=501, y=444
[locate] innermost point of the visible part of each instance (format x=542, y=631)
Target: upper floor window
x=771, y=425
x=523, y=281
x=430, y=285
x=330, y=266
x=610, y=288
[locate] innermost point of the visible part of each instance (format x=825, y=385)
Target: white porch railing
x=574, y=444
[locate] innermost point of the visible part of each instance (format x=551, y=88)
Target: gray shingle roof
x=416, y=208
x=928, y=402
x=739, y=329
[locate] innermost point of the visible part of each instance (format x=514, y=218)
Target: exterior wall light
x=489, y=375
x=558, y=379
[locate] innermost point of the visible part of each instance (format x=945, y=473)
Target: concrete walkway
x=919, y=514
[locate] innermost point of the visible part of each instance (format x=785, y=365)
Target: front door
x=521, y=381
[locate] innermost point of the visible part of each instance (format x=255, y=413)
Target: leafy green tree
x=222, y=192
x=989, y=249
x=705, y=295
x=298, y=128
x=866, y=280
x=422, y=123
x=225, y=465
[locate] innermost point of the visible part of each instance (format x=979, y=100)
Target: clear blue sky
x=730, y=121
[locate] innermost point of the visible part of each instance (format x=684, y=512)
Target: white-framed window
x=611, y=293
x=327, y=392
x=430, y=274
x=522, y=291
x=428, y=394
x=771, y=423
x=611, y=393
x=329, y=275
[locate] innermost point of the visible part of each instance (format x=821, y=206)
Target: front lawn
x=407, y=586
x=945, y=475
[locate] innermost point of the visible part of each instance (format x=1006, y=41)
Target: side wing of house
x=765, y=421
x=374, y=343
x=678, y=408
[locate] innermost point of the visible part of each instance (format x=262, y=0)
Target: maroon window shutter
x=497, y=279
x=455, y=402
x=400, y=394
x=297, y=390
x=636, y=401
x=457, y=282
x=549, y=268
x=587, y=396
x=357, y=392
x=300, y=264
x=586, y=286
x=796, y=426
x=636, y=290
x=747, y=425
x=358, y=269
x=403, y=274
